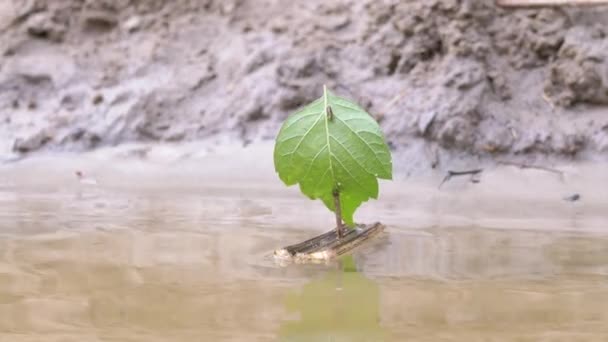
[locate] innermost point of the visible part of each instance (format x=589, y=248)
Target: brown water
x=182, y=252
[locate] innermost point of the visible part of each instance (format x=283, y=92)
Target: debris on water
x=572, y=198
x=474, y=175
x=327, y=246
x=536, y=167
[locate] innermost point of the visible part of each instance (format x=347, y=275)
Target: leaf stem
x=338, y=212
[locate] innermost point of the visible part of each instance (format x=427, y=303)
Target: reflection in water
x=342, y=305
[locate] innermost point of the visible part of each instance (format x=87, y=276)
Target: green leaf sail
x=343, y=149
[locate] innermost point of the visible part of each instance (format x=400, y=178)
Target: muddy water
x=169, y=250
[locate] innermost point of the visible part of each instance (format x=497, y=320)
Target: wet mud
x=462, y=77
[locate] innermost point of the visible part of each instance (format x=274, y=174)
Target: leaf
x=333, y=144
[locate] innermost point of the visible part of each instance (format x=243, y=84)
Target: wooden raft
x=327, y=246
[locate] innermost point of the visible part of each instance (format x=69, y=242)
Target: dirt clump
x=580, y=72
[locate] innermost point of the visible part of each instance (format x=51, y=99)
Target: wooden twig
x=531, y=166
x=310, y=244
x=338, y=212
x=327, y=246
x=545, y=3
x=342, y=247
x=459, y=173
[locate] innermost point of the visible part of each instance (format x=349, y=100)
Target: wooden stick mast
x=338, y=212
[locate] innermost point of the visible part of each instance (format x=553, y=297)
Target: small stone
x=132, y=24
x=97, y=99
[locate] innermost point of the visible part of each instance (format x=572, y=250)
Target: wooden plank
x=549, y=3
x=328, y=246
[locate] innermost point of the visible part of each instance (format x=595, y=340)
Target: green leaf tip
x=330, y=144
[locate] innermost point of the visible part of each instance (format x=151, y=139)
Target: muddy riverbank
x=446, y=79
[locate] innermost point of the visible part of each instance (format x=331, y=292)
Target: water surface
x=172, y=253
